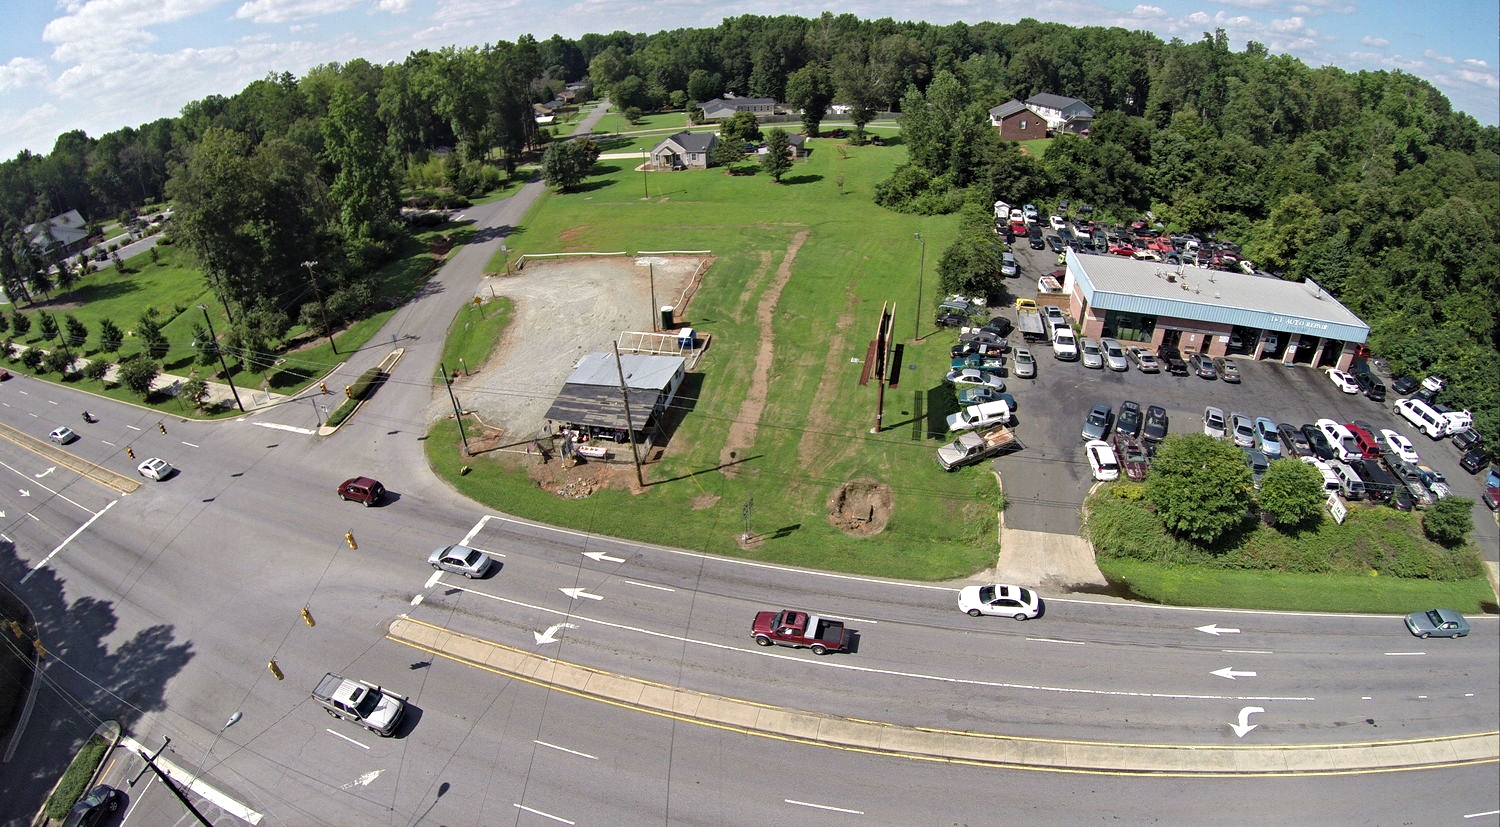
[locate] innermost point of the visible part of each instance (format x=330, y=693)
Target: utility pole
x=458, y=413
x=167, y=780
x=327, y=331
x=629, y=426
x=917, y=311
x=214, y=342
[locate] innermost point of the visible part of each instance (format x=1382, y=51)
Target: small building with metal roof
x=591, y=405
x=1210, y=311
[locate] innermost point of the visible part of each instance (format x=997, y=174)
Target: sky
x=101, y=65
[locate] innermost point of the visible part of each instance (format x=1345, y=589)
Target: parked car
x=1466, y=439
x=1242, y=430
x=974, y=378
x=1132, y=456
x=1114, y=355
x=1092, y=354
x=1318, y=442
x=951, y=320
x=62, y=435
x=1293, y=441
x=999, y=600
x=1404, y=385
x=1437, y=623
x=1000, y=326
x=155, y=468
x=1266, y=439
x=1369, y=446
x=1258, y=465
x=1435, y=481
x=1213, y=422
x=93, y=807
x=1474, y=460
x=1154, y=427
x=1023, y=363
x=1201, y=365
x=1374, y=435
x=470, y=562
x=1129, y=420
x=1228, y=370
x=1096, y=424
x=1401, y=446
x=1343, y=381
x=1172, y=361
x=1102, y=460
x=978, y=394
x=1491, y=498
x=1145, y=360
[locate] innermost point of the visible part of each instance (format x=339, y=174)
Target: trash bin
x=666, y=317
x=687, y=339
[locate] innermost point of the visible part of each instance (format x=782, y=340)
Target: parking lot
x=1046, y=482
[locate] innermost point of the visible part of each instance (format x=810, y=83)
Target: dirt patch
x=742, y=433
x=861, y=507
x=703, y=501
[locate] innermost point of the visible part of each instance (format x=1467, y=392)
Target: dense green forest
x=1367, y=182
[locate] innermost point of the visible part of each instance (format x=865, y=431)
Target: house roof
x=66, y=228
x=642, y=370
x=1072, y=107
x=1266, y=302
x=1007, y=109
x=691, y=141
x=591, y=393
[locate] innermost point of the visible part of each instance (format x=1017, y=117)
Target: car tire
x=819, y=649
x=763, y=640
x=975, y=613
x=1020, y=617
x=344, y=498
x=468, y=575
x=1424, y=635
x=437, y=567
x=331, y=713
x=1457, y=636
x=368, y=503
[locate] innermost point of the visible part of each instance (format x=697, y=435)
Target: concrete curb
x=987, y=749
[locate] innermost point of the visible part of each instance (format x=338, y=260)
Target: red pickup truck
x=800, y=630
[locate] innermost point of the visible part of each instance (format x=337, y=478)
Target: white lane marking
x=1055, y=640
x=649, y=586
x=1365, y=698
x=828, y=807
x=279, y=427
x=525, y=808
x=565, y=749
x=54, y=492
x=731, y=561
x=826, y=664
x=1483, y=814
x=68, y=539
x=196, y=784
x=346, y=738
x=195, y=445
x=417, y=601
x=1400, y=654
x=1248, y=651
x=437, y=574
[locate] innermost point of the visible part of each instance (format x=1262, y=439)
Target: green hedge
x=76, y=780
x=366, y=382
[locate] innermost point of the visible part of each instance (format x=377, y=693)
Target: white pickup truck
x=359, y=701
x=982, y=415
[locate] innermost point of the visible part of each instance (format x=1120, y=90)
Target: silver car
x=470, y=562
x=1023, y=363
x=1114, y=355
x=1093, y=355
x=1242, y=429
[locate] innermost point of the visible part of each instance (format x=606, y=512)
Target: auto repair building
x=1210, y=311
x=590, y=405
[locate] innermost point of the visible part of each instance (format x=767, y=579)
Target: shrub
x=366, y=383
x=97, y=368
x=76, y=779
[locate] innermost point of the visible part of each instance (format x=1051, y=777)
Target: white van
x=1008, y=266
x=1423, y=416
x=1330, y=480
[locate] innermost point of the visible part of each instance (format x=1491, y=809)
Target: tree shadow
x=793, y=180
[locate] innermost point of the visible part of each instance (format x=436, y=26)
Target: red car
x=1122, y=250
x=1368, y=445
x=1018, y=228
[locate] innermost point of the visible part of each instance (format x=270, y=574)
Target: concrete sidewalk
x=988, y=749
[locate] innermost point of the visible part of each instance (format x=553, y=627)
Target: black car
x=1096, y=426
x=1405, y=385
x=1401, y=500
x=1293, y=442
x=1172, y=361
x=951, y=320
x=1056, y=243
x=1038, y=243
x=1467, y=439
x=999, y=325
x=1371, y=387
x=1319, y=444
x=1474, y=459
x=91, y=808
x=1155, y=428
x=1129, y=421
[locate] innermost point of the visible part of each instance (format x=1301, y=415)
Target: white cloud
x=111, y=25
x=21, y=72
x=283, y=11
x=394, y=6
x=1374, y=42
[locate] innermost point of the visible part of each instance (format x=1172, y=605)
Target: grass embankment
x=1377, y=560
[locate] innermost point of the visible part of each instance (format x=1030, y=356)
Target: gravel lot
x=564, y=308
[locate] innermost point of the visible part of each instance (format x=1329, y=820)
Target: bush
x=75, y=781
x=97, y=368
x=366, y=383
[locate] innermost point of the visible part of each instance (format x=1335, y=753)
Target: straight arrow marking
x=601, y=557
x=1228, y=672
x=574, y=594
x=1244, y=725
x=1213, y=629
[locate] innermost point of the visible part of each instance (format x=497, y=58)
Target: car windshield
x=1434, y=618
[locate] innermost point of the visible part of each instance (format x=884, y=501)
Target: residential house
x=719, y=109
x=796, y=146
x=1041, y=115
x=59, y=236
x=1017, y=121
x=685, y=150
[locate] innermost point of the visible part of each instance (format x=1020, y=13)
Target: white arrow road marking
x=46, y=472
x=1244, y=725
x=1213, y=629
x=24, y=492
x=565, y=749
x=536, y=812
x=364, y=780
x=550, y=636
x=822, y=806
x=1228, y=672
x=601, y=557
x=574, y=594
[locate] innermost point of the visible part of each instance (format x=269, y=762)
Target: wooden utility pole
x=635, y=454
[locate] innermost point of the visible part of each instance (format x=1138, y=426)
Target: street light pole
x=328, y=331
x=222, y=364
x=921, y=267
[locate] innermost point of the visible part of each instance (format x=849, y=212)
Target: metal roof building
x=1203, y=310
x=590, y=399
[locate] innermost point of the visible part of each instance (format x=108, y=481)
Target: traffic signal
x=275, y=670
x=323, y=386
x=307, y=617
x=349, y=391
x=161, y=427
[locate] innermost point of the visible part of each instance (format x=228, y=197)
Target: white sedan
x=155, y=468
x=1000, y=601
x=1057, y=222
x=1102, y=460
x=1345, y=381
x=1401, y=446
x=974, y=378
